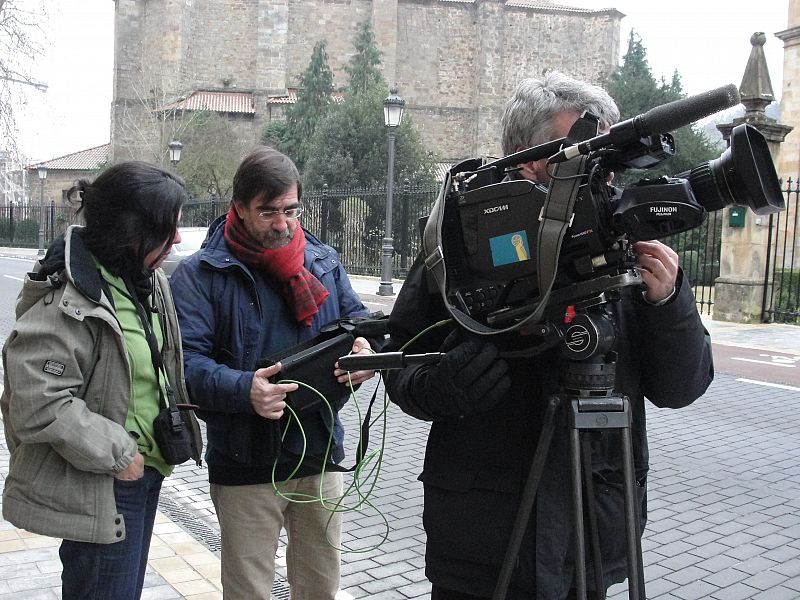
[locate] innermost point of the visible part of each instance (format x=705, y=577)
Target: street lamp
x=42, y=171
x=175, y=152
x=392, y=115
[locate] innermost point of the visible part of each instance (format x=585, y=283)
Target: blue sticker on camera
x=510, y=248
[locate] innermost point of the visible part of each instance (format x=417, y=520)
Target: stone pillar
x=789, y=158
x=273, y=38
x=738, y=291
x=384, y=24
x=491, y=40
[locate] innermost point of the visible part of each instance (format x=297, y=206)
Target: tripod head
x=587, y=344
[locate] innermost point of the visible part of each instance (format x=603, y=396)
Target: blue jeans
x=115, y=571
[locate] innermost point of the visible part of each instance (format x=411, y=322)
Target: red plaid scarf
x=301, y=290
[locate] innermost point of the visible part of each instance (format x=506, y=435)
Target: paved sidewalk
x=724, y=501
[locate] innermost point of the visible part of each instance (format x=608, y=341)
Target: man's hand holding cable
x=658, y=267
x=469, y=379
x=360, y=346
x=269, y=399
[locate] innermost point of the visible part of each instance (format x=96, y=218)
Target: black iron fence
x=352, y=221
x=699, y=250
x=29, y=226
x=782, y=274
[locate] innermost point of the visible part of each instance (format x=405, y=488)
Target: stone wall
x=788, y=164
x=454, y=62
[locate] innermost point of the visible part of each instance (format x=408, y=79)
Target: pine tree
x=363, y=69
x=315, y=94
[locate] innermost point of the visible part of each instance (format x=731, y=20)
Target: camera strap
x=143, y=311
x=554, y=220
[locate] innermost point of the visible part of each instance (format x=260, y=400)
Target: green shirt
x=145, y=397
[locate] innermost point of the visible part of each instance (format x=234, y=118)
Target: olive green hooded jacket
x=66, y=394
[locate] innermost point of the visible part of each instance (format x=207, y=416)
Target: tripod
x=586, y=385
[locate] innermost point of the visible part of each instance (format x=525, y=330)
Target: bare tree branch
x=19, y=32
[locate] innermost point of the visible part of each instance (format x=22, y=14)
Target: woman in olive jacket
x=82, y=386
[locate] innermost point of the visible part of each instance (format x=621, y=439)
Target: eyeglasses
x=290, y=213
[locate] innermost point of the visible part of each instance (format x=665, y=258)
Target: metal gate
x=781, y=302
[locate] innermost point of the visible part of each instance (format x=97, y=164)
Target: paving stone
x=777, y=593
x=726, y=577
x=696, y=590
x=738, y=591
x=755, y=565
x=678, y=562
x=381, y=585
x=160, y=592
x=790, y=568
x=717, y=563
x=660, y=588
x=419, y=589
x=41, y=594
x=687, y=575
x=765, y=580
x=745, y=551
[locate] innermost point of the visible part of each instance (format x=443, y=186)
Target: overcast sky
x=707, y=41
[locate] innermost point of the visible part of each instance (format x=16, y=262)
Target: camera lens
x=744, y=175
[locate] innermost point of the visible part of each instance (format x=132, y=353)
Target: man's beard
x=277, y=239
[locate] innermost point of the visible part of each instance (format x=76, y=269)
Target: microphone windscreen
x=682, y=112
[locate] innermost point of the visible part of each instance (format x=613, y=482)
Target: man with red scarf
x=261, y=284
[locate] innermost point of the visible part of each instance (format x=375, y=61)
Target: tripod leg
x=527, y=499
x=635, y=565
x=591, y=509
x=577, y=505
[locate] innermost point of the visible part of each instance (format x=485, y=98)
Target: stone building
x=63, y=172
x=455, y=62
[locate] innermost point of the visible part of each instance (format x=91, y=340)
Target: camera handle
x=386, y=360
x=586, y=389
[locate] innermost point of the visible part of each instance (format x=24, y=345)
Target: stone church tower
x=455, y=62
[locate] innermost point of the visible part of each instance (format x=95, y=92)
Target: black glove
x=469, y=379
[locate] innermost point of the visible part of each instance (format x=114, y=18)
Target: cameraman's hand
x=269, y=399
x=360, y=346
x=469, y=379
x=658, y=267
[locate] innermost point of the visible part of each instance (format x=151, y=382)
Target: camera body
x=492, y=221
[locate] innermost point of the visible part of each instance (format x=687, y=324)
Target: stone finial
x=756, y=88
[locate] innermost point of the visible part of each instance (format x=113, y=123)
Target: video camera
x=505, y=251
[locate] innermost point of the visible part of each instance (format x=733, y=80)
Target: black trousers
x=438, y=593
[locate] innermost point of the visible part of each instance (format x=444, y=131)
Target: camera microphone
x=660, y=119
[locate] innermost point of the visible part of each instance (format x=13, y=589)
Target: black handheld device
x=312, y=362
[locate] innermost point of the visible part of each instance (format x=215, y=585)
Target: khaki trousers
x=251, y=518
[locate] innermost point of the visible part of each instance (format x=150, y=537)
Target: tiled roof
x=440, y=170
x=545, y=5
x=85, y=160
x=223, y=102
x=291, y=97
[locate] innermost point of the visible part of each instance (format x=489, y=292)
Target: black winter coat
x=475, y=466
